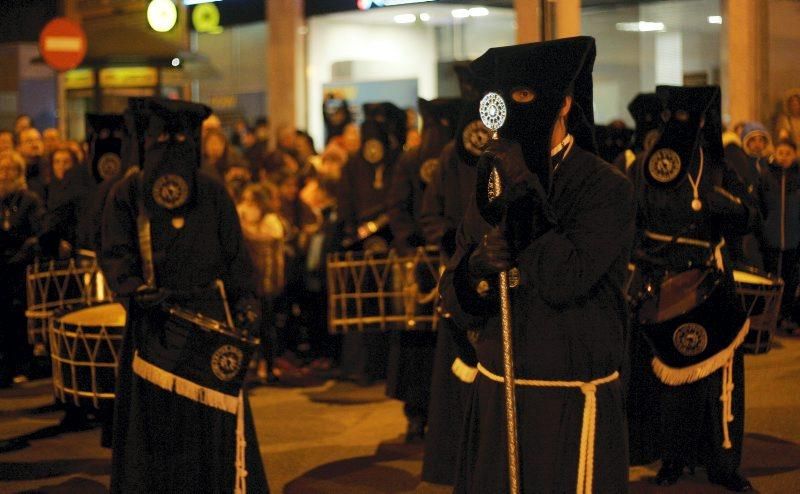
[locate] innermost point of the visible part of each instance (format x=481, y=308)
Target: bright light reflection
x=424, y=17
x=460, y=13
x=405, y=18
x=478, y=11
x=641, y=26
x=715, y=19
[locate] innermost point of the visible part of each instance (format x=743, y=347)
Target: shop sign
x=223, y=102
x=205, y=19
x=79, y=79
x=128, y=77
x=62, y=44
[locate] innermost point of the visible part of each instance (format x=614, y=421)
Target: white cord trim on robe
x=589, y=390
x=241, y=447
x=464, y=372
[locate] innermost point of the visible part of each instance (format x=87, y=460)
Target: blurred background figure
x=789, y=121
x=218, y=155
x=37, y=172
x=21, y=123
x=52, y=140
x=6, y=140
x=336, y=114
x=21, y=214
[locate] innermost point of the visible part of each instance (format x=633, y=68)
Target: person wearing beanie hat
x=565, y=223
x=686, y=355
x=169, y=232
x=780, y=235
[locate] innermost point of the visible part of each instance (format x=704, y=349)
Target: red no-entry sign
x=62, y=44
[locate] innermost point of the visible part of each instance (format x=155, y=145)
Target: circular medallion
x=690, y=339
x=475, y=137
x=696, y=205
x=664, y=165
x=109, y=165
x=427, y=170
x=373, y=151
x=170, y=191
x=226, y=362
x=493, y=111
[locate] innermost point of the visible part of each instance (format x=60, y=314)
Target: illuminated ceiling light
x=162, y=15
x=176, y=61
x=460, y=13
x=390, y=3
x=641, y=26
x=478, y=11
x=197, y=2
x=424, y=17
x=715, y=19
x=405, y=18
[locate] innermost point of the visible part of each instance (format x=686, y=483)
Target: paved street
x=312, y=447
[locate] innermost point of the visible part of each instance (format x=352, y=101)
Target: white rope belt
x=589, y=390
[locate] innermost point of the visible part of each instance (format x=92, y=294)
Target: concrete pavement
x=311, y=447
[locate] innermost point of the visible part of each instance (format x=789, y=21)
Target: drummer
x=165, y=442
x=689, y=201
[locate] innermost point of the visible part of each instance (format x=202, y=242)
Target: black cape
x=162, y=441
x=569, y=324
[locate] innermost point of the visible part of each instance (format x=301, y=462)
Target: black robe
x=683, y=424
x=443, y=205
x=162, y=441
x=21, y=218
x=411, y=352
x=362, y=197
x=568, y=324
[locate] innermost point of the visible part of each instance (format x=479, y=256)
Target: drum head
x=99, y=315
x=678, y=294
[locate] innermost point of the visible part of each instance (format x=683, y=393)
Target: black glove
x=148, y=297
x=515, y=177
x=248, y=315
x=490, y=257
x=723, y=203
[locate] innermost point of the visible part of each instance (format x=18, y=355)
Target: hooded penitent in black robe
x=683, y=423
x=163, y=441
x=443, y=204
x=411, y=352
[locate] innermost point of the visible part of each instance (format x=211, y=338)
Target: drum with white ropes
x=84, y=349
x=760, y=295
x=380, y=291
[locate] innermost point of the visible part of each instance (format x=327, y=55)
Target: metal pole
x=508, y=366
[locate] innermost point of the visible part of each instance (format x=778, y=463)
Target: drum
x=57, y=286
x=84, y=349
x=380, y=291
x=760, y=295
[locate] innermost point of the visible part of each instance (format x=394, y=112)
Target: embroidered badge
x=690, y=339
x=475, y=136
x=493, y=111
x=109, y=165
x=427, y=170
x=373, y=151
x=226, y=362
x=664, y=165
x=170, y=191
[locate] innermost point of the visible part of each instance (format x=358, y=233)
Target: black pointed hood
x=439, y=121
x=646, y=109
x=106, y=135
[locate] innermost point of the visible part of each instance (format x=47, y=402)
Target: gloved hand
x=515, y=177
x=490, y=257
x=148, y=297
x=722, y=203
x=247, y=315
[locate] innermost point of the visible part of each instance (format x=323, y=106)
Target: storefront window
x=397, y=53
x=674, y=42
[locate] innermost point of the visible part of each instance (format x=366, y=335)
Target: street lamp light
x=162, y=15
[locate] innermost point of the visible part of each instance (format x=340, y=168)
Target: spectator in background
x=413, y=138
x=240, y=127
x=31, y=147
x=756, y=143
x=275, y=164
x=211, y=123
x=77, y=149
x=264, y=232
x=336, y=118
x=351, y=139
x=789, y=122
x=22, y=123
x=52, y=140
x=329, y=166
x=287, y=140
x=304, y=147
x=780, y=209
x=256, y=146
x=236, y=178
x=6, y=140
x=21, y=214
x=63, y=202
x=218, y=155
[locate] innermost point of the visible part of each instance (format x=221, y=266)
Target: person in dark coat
x=612, y=140
x=21, y=218
x=366, y=179
x=565, y=222
x=411, y=352
x=175, y=434
x=689, y=202
x=443, y=204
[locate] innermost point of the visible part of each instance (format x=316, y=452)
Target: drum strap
x=145, y=237
x=589, y=390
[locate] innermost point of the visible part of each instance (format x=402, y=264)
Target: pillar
x=529, y=20
x=567, y=22
x=744, y=59
x=285, y=62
